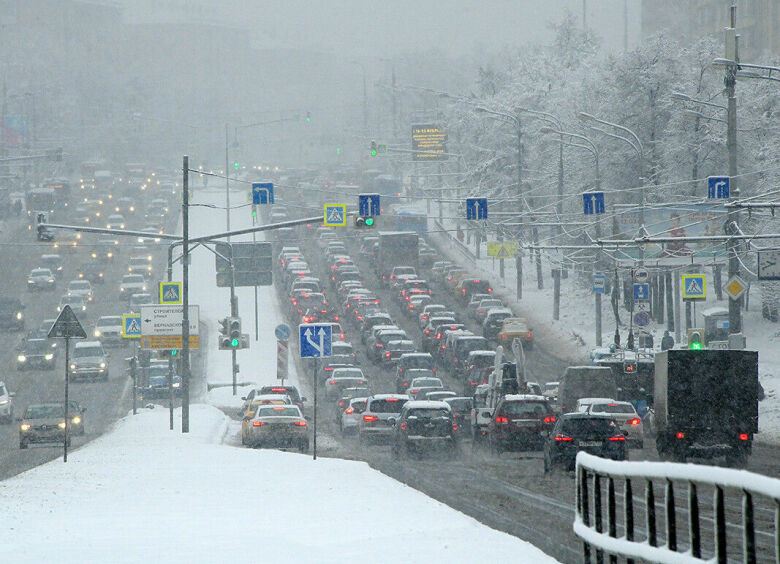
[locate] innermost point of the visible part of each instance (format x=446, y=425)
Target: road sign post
x=314, y=342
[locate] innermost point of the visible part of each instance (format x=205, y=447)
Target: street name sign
x=166, y=320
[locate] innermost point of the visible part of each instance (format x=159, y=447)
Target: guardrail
x=461, y=247
x=755, y=517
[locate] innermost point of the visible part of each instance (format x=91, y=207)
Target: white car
x=80, y=288
x=6, y=404
x=584, y=403
x=345, y=377
x=132, y=284
x=350, y=417
x=625, y=416
x=108, y=329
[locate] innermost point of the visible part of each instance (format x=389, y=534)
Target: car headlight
x=76, y=420
x=4, y=401
x=61, y=424
x=51, y=280
x=102, y=365
x=121, y=289
x=110, y=255
x=48, y=356
x=73, y=367
x=21, y=358
x=18, y=315
x=143, y=288
x=24, y=426
x=30, y=281
x=176, y=384
x=83, y=308
x=97, y=333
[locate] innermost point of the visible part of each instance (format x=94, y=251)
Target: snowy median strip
x=142, y=492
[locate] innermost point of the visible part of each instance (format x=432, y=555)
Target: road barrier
x=757, y=517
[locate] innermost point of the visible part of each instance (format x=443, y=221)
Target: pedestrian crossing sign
x=170, y=292
x=131, y=326
x=694, y=287
x=335, y=215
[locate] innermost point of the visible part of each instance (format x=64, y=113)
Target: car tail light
x=634, y=421
x=349, y=411
x=278, y=389
x=331, y=382
x=743, y=436
x=405, y=384
x=391, y=399
x=403, y=425
x=454, y=426
x=391, y=277
x=680, y=435
x=549, y=419
x=300, y=423
x=370, y=418
x=490, y=290
x=387, y=355
x=527, y=335
x=336, y=318
x=473, y=383
x=502, y=419
x=341, y=404
x=617, y=438
x=411, y=306
x=563, y=438
x=257, y=423
x=413, y=391
x=343, y=336
x=427, y=331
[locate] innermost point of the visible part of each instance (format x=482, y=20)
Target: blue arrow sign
x=641, y=292
x=262, y=193
x=593, y=203
x=314, y=340
x=368, y=204
x=476, y=208
x=718, y=187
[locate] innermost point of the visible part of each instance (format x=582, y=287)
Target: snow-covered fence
x=756, y=519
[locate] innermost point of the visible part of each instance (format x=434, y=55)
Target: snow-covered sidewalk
x=142, y=493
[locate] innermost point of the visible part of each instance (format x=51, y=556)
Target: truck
x=396, y=248
x=585, y=382
x=505, y=379
x=706, y=404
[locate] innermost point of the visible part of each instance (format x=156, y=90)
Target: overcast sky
x=374, y=28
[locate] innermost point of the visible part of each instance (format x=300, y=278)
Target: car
x=349, y=419
x=420, y=392
x=77, y=303
x=394, y=350
x=41, y=279
x=278, y=425
x=416, y=303
x=109, y=330
x=519, y=422
x=625, y=416
x=575, y=432
x=427, y=311
x=254, y=404
x=550, y=390
x=42, y=423
x=467, y=287
x=106, y=249
x=346, y=395
x=404, y=379
x=139, y=265
x=137, y=300
x=132, y=284
x=92, y=272
x=484, y=307
x=157, y=382
x=515, y=328
x=461, y=407
x=342, y=348
x=494, y=321
x=36, y=353
x=88, y=361
x=6, y=404
x=289, y=391
x=12, y=314
x=424, y=426
x=583, y=404
x=376, y=347
x=53, y=262
x=460, y=348
x=379, y=417
x=76, y=416
x=439, y=395
x=116, y=221
x=80, y=288
x=341, y=378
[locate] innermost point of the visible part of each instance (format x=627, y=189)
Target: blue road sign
x=694, y=287
x=314, y=340
x=368, y=204
x=641, y=319
x=262, y=193
x=476, y=208
x=641, y=292
x=170, y=292
x=718, y=187
x=131, y=325
x=593, y=203
x=282, y=331
x=599, y=283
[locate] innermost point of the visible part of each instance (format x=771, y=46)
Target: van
x=584, y=382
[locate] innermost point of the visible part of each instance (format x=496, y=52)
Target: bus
x=389, y=188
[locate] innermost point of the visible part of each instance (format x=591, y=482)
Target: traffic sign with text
x=166, y=320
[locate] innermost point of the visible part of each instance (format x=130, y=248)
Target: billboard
x=429, y=143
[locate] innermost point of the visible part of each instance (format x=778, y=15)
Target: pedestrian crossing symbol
x=694, y=287
x=131, y=326
x=170, y=292
x=502, y=249
x=335, y=215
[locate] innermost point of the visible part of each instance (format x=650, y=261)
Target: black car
x=92, y=271
x=575, y=432
x=36, y=353
x=12, y=314
x=425, y=426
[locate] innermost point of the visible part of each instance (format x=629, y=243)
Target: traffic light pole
x=233, y=313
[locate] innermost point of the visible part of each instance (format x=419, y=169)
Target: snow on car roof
x=427, y=404
x=521, y=397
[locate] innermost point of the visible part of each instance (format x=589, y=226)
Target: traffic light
x=236, y=166
x=694, y=339
x=629, y=367
x=235, y=332
x=364, y=222
x=308, y=117
x=224, y=334
x=373, y=148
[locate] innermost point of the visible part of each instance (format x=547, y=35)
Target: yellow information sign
x=429, y=143
x=168, y=342
x=502, y=249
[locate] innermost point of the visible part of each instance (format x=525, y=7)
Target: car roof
x=88, y=344
x=584, y=415
x=389, y=396
x=524, y=397
x=429, y=404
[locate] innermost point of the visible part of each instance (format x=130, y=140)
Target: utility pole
x=227, y=181
x=519, y=258
x=185, y=324
x=732, y=219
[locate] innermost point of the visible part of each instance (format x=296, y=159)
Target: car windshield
x=428, y=412
x=389, y=405
x=612, y=408
x=347, y=373
x=90, y=350
x=412, y=362
x=525, y=408
x=278, y=411
x=44, y=412
x=461, y=404
x=41, y=272
x=37, y=346
x=427, y=383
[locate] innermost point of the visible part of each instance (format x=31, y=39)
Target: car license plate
x=590, y=443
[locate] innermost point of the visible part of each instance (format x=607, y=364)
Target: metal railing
x=744, y=514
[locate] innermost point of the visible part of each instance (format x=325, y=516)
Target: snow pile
x=144, y=493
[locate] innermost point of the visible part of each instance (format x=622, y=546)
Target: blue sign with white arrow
x=476, y=208
x=593, y=203
x=368, y=204
x=262, y=193
x=641, y=292
x=314, y=340
x=718, y=187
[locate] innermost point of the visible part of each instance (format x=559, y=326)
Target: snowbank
x=144, y=493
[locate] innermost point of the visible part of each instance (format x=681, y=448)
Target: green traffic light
x=174, y=352
x=236, y=165
x=234, y=343
x=369, y=221
x=373, y=153
x=696, y=346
